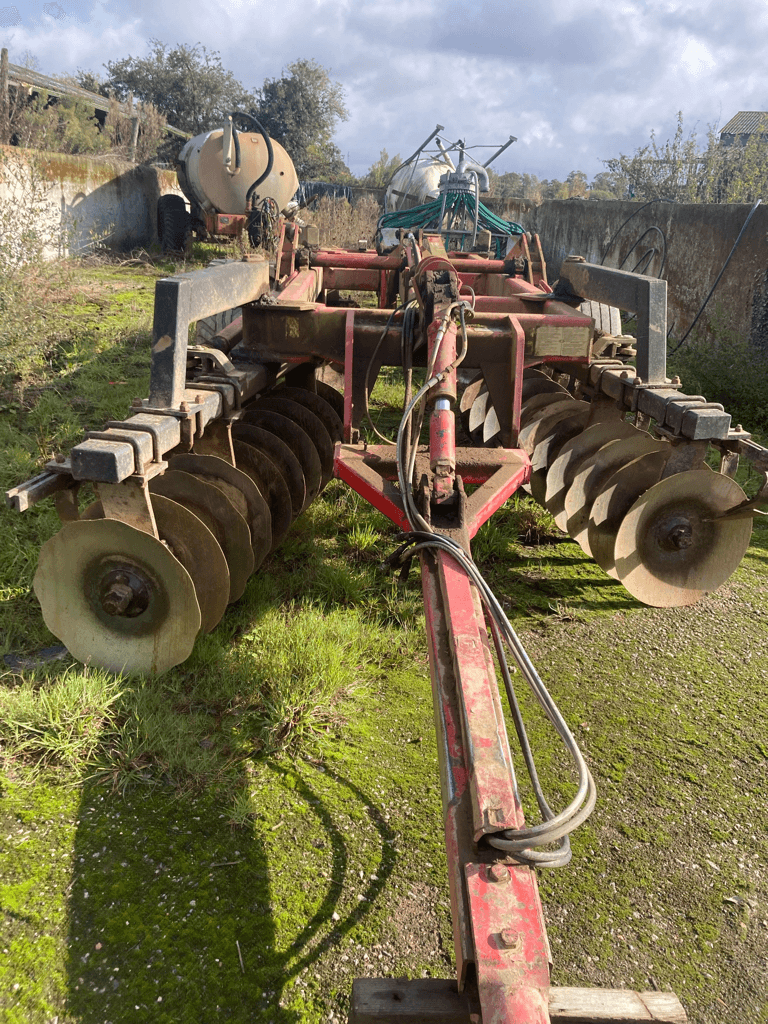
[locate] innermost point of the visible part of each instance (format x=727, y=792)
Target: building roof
x=746, y=122
x=27, y=78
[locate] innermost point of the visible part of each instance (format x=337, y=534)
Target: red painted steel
x=358, y=260
x=489, y=762
x=511, y=949
x=224, y=223
x=303, y=286
x=453, y=771
x=498, y=924
x=350, y=466
x=351, y=280
x=349, y=353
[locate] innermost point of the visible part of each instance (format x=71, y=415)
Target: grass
x=280, y=789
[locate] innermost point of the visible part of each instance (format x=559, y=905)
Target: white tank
x=205, y=180
x=418, y=182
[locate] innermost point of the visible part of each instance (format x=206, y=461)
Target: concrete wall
x=698, y=238
x=74, y=203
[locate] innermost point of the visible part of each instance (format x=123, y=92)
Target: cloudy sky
x=577, y=81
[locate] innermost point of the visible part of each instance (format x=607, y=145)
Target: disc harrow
x=602, y=472
x=205, y=477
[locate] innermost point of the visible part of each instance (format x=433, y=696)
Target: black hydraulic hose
x=717, y=279
x=270, y=152
x=629, y=218
x=236, y=139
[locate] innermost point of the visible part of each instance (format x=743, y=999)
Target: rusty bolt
x=184, y=407
x=498, y=873
x=739, y=427
x=199, y=399
x=637, y=381
x=117, y=598
x=135, y=403
x=676, y=382
x=624, y=374
x=511, y=939
x=60, y=458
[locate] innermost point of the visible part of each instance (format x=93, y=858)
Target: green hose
x=457, y=204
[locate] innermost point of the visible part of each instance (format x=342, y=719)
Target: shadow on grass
x=166, y=897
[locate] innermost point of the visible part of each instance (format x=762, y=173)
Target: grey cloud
x=575, y=80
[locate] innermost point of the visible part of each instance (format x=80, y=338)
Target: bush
x=342, y=224
x=726, y=368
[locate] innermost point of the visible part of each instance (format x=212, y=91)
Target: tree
x=301, y=111
x=576, y=184
x=607, y=185
x=381, y=170
x=685, y=171
x=512, y=185
x=187, y=83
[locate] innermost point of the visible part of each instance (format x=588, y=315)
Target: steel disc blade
x=569, y=459
x=591, y=476
x=616, y=499
x=324, y=411
x=297, y=441
x=491, y=429
x=241, y=491
x=199, y=552
x=84, y=576
x=533, y=386
x=543, y=421
x=470, y=393
x=280, y=455
x=195, y=546
x=309, y=423
x=213, y=508
x=532, y=408
x=670, y=550
x=549, y=447
x=271, y=486
x=333, y=397
x=477, y=414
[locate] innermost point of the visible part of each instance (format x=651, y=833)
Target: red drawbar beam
x=497, y=918
x=489, y=762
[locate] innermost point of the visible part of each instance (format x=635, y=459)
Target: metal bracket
x=646, y=296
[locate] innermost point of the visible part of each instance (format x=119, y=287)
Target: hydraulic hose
x=516, y=843
x=270, y=152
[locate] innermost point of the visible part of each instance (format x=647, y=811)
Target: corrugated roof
x=746, y=122
x=18, y=75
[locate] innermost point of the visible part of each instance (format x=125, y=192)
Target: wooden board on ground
x=391, y=1001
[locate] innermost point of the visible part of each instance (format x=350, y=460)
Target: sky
x=576, y=81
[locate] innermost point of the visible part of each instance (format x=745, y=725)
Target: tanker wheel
x=207, y=328
x=174, y=225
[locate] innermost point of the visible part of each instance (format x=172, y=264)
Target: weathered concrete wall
x=74, y=203
x=697, y=237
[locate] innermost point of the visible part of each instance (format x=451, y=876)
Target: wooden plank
x=390, y=1001
x=613, y=1006
x=385, y=1000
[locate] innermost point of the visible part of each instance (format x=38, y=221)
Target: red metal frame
x=499, y=932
